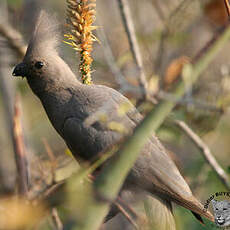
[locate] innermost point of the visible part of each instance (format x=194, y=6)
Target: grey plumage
x=68, y=103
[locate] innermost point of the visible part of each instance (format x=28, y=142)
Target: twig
x=52, y=158
x=56, y=219
x=128, y=207
x=13, y=38
x=125, y=86
x=178, y=9
x=130, y=30
x=7, y=91
x=205, y=152
x=159, y=11
x=110, y=57
x=160, y=53
x=200, y=180
x=20, y=151
x=126, y=214
x=7, y=94
x=163, y=95
x=227, y=5
x=164, y=34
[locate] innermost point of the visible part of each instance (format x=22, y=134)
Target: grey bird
x=69, y=103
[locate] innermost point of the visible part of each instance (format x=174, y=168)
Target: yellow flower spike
x=81, y=16
x=80, y=28
x=92, y=5
x=78, y=16
x=77, y=49
x=79, y=8
x=68, y=43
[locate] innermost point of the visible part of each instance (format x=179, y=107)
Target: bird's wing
x=153, y=162
x=85, y=141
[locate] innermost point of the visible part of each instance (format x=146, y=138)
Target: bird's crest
x=45, y=37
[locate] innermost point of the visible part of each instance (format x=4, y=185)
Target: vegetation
x=169, y=57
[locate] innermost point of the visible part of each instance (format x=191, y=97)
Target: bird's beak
x=20, y=70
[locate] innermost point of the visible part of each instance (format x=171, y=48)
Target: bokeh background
x=166, y=31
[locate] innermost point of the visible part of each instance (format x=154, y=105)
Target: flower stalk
x=80, y=17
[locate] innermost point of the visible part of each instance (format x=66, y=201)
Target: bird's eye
x=39, y=64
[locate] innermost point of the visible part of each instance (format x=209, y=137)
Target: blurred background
x=169, y=33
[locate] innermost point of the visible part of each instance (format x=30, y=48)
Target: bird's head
x=42, y=64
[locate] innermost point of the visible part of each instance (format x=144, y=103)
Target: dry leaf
x=174, y=70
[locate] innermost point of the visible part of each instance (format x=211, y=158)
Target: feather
x=46, y=36
x=198, y=217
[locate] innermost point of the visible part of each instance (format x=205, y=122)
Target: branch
x=125, y=86
x=130, y=30
x=118, y=167
x=208, y=156
x=109, y=57
x=159, y=12
x=14, y=39
x=126, y=215
x=20, y=151
x=165, y=33
x=13, y=117
x=163, y=95
x=56, y=219
x=227, y=6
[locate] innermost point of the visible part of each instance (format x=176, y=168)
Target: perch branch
x=208, y=156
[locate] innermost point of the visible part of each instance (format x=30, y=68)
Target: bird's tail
x=159, y=213
x=196, y=207
x=156, y=214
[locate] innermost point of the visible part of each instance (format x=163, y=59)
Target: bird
x=69, y=103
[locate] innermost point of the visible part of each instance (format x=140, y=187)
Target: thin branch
x=14, y=39
x=128, y=207
x=12, y=36
x=160, y=53
x=208, y=156
x=159, y=11
x=227, y=5
x=125, y=86
x=126, y=214
x=110, y=58
x=56, y=219
x=7, y=91
x=20, y=151
x=182, y=5
x=164, y=34
x=52, y=158
x=130, y=30
x=163, y=95
x=195, y=185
